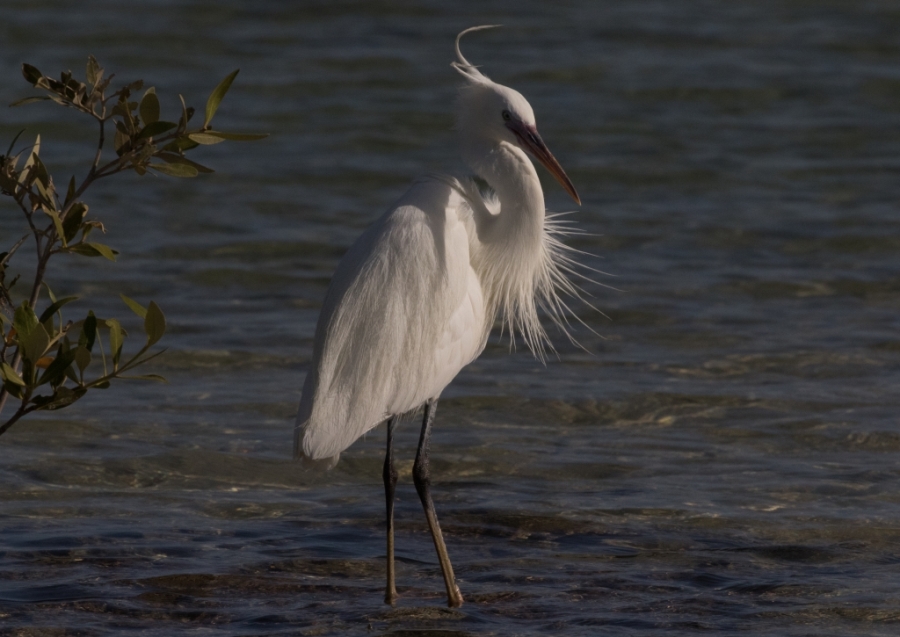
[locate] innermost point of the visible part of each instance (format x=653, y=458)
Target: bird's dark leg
x=390, y=483
x=423, y=482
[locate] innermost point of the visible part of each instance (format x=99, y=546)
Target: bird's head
x=497, y=113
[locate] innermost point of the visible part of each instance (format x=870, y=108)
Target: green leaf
x=30, y=161
x=47, y=321
x=236, y=137
x=136, y=307
x=60, y=232
x=16, y=391
x=126, y=124
x=93, y=250
x=88, y=332
x=70, y=193
x=28, y=371
x=35, y=150
x=74, y=217
x=137, y=85
x=115, y=340
x=105, y=251
x=187, y=112
x=53, y=309
x=83, y=249
x=32, y=75
x=56, y=371
x=46, y=201
x=71, y=375
x=121, y=141
x=175, y=170
x=215, y=98
x=43, y=179
x=25, y=320
x=82, y=357
x=94, y=73
x=156, y=128
x=34, y=344
x=149, y=108
x=172, y=158
x=204, y=139
x=31, y=100
x=181, y=144
x=50, y=293
x=153, y=377
x=154, y=323
x=10, y=375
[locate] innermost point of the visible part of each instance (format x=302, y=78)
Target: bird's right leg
x=390, y=484
x=422, y=480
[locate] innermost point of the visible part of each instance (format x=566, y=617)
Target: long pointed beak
x=531, y=141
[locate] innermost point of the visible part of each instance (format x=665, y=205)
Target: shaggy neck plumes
x=518, y=225
x=510, y=254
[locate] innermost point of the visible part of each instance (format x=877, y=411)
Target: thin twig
x=12, y=251
x=21, y=411
x=99, y=145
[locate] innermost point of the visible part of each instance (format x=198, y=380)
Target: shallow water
x=723, y=457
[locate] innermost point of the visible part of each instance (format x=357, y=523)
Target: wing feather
x=404, y=313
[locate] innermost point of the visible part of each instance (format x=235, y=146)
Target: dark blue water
x=723, y=459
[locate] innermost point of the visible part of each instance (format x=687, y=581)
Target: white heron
x=414, y=299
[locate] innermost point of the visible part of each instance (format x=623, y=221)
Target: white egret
x=413, y=300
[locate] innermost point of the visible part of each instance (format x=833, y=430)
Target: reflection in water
x=722, y=460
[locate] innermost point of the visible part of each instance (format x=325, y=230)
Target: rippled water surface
x=722, y=459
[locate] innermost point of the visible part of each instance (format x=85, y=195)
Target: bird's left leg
x=390, y=484
x=422, y=480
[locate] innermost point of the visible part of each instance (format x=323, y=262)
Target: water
x=722, y=461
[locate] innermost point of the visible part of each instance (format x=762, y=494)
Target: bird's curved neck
x=507, y=249
x=509, y=172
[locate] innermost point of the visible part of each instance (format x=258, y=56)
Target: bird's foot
x=455, y=599
x=390, y=597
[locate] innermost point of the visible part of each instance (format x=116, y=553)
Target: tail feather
x=307, y=461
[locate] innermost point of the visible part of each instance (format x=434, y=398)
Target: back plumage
x=398, y=322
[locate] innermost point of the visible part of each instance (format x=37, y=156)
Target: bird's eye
x=506, y=116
